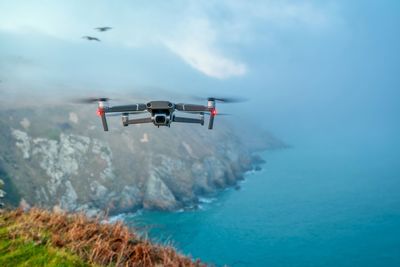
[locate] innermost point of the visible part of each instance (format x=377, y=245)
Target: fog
x=310, y=70
x=322, y=76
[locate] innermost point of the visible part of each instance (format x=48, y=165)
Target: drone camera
x=161, y=119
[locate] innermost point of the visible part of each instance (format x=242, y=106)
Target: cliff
x=59, y=156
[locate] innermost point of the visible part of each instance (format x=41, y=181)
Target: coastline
x=202, y=200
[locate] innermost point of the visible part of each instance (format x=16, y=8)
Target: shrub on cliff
x=95, y=243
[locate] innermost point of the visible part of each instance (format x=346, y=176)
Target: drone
x=162, y=113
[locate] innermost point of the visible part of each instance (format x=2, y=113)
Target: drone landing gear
x=126, y=121
x=188, y=120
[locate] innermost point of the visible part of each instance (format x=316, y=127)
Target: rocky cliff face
x=61, y=157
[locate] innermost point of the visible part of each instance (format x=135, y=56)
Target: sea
x=316, y=203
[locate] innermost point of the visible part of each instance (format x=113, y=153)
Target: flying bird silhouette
x=90, y=38
x=103, y=29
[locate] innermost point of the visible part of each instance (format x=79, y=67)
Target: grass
x=41, y=238
x=19, y=252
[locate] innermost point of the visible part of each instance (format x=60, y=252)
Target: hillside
x=59, y=156
x=42, y=238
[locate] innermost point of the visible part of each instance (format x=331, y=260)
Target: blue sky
x=303, y=64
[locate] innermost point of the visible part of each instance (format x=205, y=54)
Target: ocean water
x=311, y=205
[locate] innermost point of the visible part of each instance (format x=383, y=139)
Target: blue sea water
x=312, y=205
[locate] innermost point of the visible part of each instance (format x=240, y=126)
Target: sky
x=326, y=68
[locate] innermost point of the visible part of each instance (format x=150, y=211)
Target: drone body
x=162, y=113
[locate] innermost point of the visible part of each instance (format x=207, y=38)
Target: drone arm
x=127, y=108
x=190, y=107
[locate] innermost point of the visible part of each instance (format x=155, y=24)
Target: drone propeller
x=223, y=99
x=100, y=111
x=89, y=100
x=207, y=113
x=219, y=114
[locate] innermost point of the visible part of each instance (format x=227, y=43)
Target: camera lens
x=160, y=119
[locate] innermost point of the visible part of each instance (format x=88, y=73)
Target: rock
x=145, y=138
x=22, y=142
x=129, y=199
x=69, y=198
x=73, y=117
x=24, y=205
x=158, y=195
x=25, y=123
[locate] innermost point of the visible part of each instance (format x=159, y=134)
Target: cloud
x=210, y=29
x=207, y=35
x=196, y=43
x=201, y=57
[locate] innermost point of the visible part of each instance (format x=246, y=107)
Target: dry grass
x=95, y=242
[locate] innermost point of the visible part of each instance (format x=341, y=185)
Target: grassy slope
x=41, y=238
x=23, y=253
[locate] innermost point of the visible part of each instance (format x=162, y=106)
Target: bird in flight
x=90, y=38
x=103, y=29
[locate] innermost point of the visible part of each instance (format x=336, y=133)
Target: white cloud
x=201, y=57
x=201, y=36
x=196, y=43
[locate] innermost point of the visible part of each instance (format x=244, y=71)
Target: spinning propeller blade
x=89, y=100
x=222, y=99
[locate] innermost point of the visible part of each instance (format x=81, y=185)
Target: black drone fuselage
x=161, y=112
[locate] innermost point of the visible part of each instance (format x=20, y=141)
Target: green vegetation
x=42, y=238
x=19, y=252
